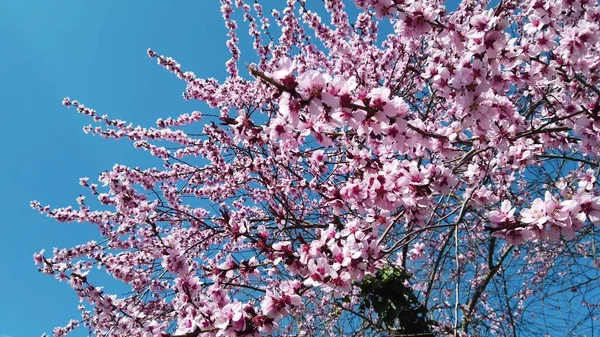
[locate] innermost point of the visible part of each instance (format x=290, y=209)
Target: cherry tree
x=373, y=168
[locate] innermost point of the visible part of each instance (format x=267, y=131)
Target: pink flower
x=380, y=101
x=311, y=84
x=318, y=270
x=285, y=67
x=590, y=207
x=355, y=191
x=505, y=214
x=38, y=258
x=289, y=109
x=587, y=180
x=518, y=236
x=536, y=215
x=232, y=316
x=417, y=252
x=275, y=305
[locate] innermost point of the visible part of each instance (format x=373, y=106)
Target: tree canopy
x=370, y=168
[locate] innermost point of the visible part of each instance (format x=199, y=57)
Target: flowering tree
x=439, y=180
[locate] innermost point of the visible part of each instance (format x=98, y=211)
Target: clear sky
x=95, y=52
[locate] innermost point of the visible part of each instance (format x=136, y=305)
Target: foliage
x=397, y=307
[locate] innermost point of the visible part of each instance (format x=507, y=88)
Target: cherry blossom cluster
x=546, y=219
x=458, y=147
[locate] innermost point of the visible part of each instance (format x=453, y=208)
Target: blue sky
x=94, y=52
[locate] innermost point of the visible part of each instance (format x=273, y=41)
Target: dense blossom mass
x=376, y=167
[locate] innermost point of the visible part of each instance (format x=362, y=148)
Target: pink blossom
x=406, y=137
